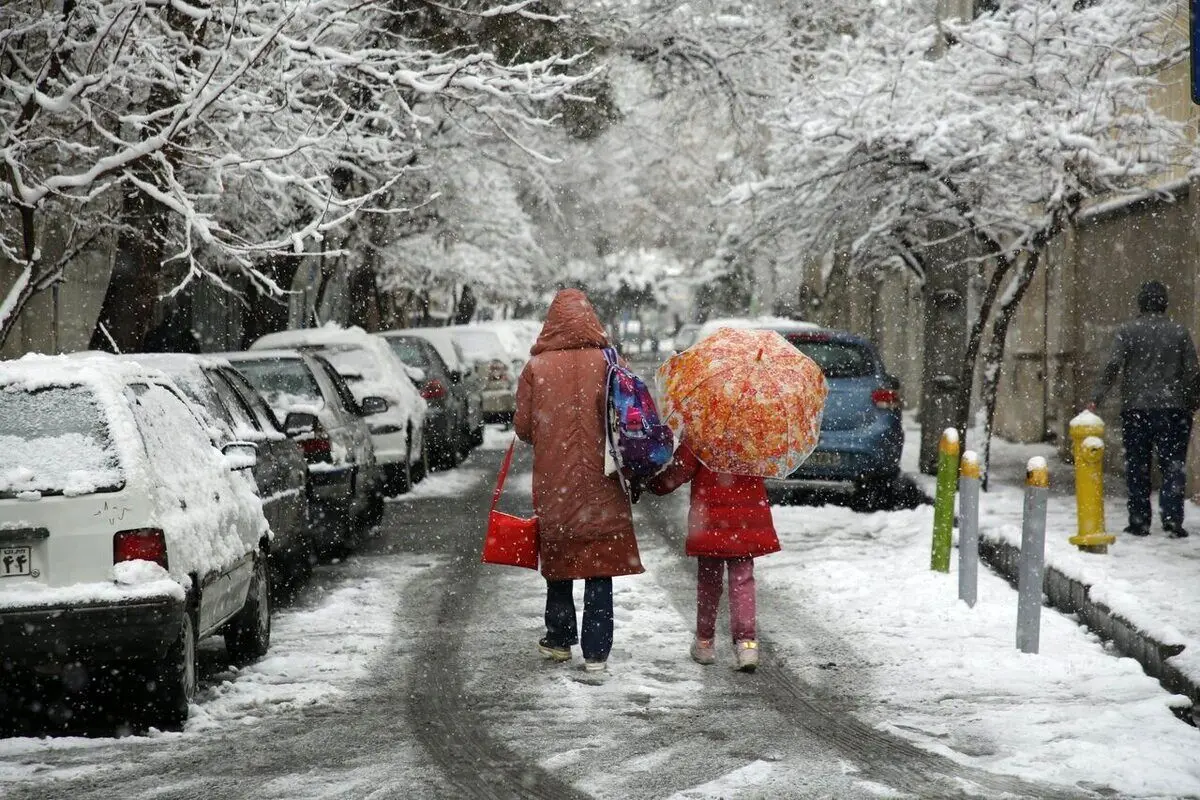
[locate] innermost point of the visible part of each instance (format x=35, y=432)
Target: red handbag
x=510, y=540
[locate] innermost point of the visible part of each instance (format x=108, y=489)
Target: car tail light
x=316, y=448
x=144, y=544
x=887, y=399
x=434, y=390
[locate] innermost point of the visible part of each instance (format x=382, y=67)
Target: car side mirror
x=299, y=423
x=373, y=405
x=240, y=455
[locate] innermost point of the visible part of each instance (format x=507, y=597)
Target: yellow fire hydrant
x=1087, y=440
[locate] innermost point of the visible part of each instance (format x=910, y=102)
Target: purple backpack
x=638, y=440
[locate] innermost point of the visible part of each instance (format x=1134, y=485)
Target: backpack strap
x=610, y=355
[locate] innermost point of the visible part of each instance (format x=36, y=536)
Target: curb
x=1071, y=596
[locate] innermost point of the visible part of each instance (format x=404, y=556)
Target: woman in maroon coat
x=729, y=525
x=584, y=519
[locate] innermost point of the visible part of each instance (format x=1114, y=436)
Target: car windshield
x=55, y=441
x=836, y=359
x=409, y=351
x=284, y=382
x=480, y=345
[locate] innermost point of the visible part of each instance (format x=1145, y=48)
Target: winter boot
x=747, y=656
x=554, y=652
x=595, y=666
x=704, y=651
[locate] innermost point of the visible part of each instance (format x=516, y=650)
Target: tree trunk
x=133, y=293
x=993, y=359
x=943, y=381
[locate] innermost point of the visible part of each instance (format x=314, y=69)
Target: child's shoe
x=747, y=656
x=554, y=652
x=704, y=651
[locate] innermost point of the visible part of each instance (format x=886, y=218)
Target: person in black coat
x=1156, y=361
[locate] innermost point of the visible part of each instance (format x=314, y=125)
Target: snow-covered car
x=462, y=372
x=126, y=536
x=236, y=412
x=318, y=410
x=444, y=391
x=493, y=364
x=384, y=389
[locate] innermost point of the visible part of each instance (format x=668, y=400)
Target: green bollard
x=943, y=503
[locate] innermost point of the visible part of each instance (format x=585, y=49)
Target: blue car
x=861, y=434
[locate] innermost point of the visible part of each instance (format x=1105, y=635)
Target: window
x=836, y=359
x=283, y=381
x=339, y=386
x=55, y=441
x=410, y=352
x=245, y=425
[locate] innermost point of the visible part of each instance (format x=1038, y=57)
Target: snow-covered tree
x=228, y=133
x=991, y=133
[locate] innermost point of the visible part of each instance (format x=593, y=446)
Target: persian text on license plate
x=823, y=459
x=15, y=562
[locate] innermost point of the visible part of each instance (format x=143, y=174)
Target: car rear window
x=410, y=352
x=284, y=382
x=56, y=441
x=836, y=359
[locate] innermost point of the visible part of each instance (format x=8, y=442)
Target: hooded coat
x=729, y=515
x=584, y=520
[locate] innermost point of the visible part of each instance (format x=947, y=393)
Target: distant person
x=585, y=522
x=1155, y=358
x=466, y=306
x=729, y=525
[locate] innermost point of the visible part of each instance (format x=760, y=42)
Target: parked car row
x=151, y=501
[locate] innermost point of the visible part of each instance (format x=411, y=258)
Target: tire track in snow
x=826, y=712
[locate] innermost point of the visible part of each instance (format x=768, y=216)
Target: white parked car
x=126, y=536
x=495, y=366
x=384, y=388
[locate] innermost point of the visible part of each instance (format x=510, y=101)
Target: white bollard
x=968, y=528
x=1033, y=556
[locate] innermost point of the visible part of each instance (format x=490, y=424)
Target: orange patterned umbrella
x=750, y=401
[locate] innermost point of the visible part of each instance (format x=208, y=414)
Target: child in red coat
x=729, y=524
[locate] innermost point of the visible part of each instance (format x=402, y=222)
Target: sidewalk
x=1143, y=596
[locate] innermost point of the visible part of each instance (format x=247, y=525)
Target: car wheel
x=420, y=469
x=877, y=494
x=249, y=634
x=172, y=681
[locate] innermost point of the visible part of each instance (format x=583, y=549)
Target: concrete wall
x=1061, y=338
x=60, y=321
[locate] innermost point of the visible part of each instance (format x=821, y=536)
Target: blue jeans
x=1144, y=431
x=597, y=616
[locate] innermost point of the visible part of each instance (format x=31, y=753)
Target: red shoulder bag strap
x=504, y=465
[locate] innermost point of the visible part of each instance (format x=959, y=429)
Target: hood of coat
x=571, y=324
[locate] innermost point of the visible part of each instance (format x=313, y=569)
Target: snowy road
x=409, y=672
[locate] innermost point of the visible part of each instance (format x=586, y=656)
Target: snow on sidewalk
x=951, y=679
x=1154, y=582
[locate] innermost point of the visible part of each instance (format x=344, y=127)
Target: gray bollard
x=968, y=528
x=1033, y=556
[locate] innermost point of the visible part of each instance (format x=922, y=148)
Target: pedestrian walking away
x=584, y=517
x=1155, y=359
x=729, y=525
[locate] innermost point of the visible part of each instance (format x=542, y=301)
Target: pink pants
x=742, y=612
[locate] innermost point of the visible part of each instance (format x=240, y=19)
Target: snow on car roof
x=781, y=324
x=389, y=379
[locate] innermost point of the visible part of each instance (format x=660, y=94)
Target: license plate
x=15, y=562
x=824, y=459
